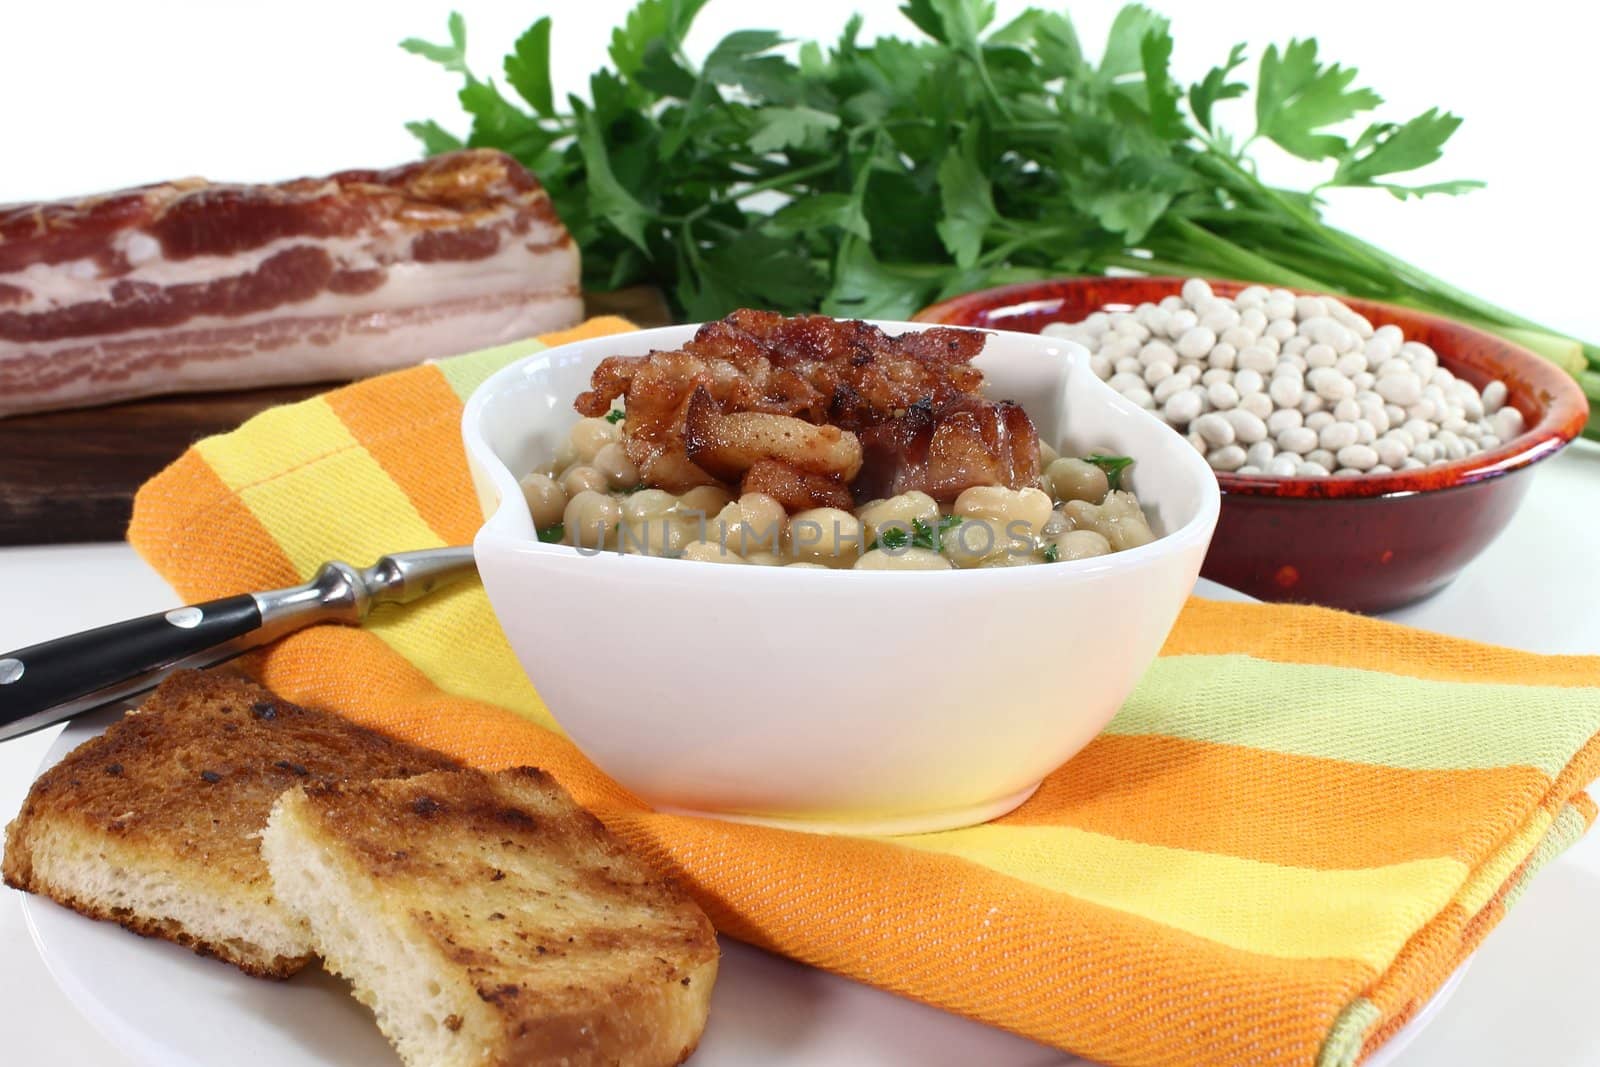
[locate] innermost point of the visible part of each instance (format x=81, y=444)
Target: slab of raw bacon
x=190, y=286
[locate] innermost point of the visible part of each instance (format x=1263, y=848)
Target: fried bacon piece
x=815, y=411
x=970, y=441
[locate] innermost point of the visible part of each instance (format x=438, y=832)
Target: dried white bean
x=1197, y=289
x=1247, y=428
x=1222, y=354
x=1284, y=419
x=1157, y=352
x=1297, y=439
x=1359, y=457
x=1196, y=342
x=1310, y=469
x=1338, y=435
x=1226, y=458
x=1182, y=408
x=1257, y=404
x=1216, y=429
x=1494, y=396
x=1248, y=381
x=1283, y=466
x=1286, y=390
x=1322, y=456
x=1222, y=395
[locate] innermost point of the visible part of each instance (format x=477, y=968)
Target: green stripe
x=1349, y=1032
x=1360, y=715
x=466, y=373
x=1564, y=832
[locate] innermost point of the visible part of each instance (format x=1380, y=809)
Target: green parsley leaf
x=1391, y=149
x=434, y=138
x=614, y=417
x=452, y=56
x=791, y=127
x=1052, y=552
x=1296, y=96
x=1215, y=86
x=553, y=535
x=892, y=538
x=967, y=201
x=528, y=67
x=607, y=198
x=647, y=23
x=1112, y=465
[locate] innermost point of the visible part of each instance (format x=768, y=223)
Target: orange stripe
x=1298, y=811
x=353, y=672
x=1102, y=983
x=202, y=538
x=1299, y=634
x=410, y=422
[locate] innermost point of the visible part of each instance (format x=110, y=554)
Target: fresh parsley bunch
x=869, y=179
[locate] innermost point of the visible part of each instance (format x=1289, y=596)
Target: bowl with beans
x=1366, y=452
x=756, y=647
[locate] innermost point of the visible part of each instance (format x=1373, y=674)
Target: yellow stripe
x=1491, y=875
x=1287, y=912
x=287, y=456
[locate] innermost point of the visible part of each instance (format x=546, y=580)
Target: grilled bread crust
x=155, y=823
x=488, y=920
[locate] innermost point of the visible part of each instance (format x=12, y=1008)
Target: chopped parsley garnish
x=614, y=417
x=893, y=538
x=1052, y=552
x=1112, y=465
x=553, y=535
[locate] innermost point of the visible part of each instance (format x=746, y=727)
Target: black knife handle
x=53, y=673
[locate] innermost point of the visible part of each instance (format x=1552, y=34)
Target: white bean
x=1338, y=435
x=1359, y=457
x=1222, y=395
x=1283, y=466
x=1181, y=408
x=1286, y=390
x=1222, y=355
x=1214, y=429
x=1494, y=396
x=1298, y=439
x=1227, y=458
x=1284, y=419
x=1247, y=428
x=1197, y=289
x=1310, y=469
x=1196, y=342
x=1390, y=451
x=1257, y=404
x=1157, y=352
x=1322, y=456
x=1347, y=410
x=1260, y=454
x=1170, y=387
x=1248, y=381
x=1239, y=337
x=1507, y=423
x=1318, y=355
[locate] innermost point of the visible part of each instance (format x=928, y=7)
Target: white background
x=106, y=94
x=102, y=95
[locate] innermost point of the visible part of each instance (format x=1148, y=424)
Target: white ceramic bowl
x=858, y=701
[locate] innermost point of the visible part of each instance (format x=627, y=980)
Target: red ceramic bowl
x=1369, y=543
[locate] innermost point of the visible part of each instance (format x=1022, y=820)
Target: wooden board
x=70, y=476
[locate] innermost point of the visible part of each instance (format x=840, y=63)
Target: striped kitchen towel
x=1296, y=829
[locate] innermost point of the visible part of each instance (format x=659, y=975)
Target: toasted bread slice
x=155, y=824
x=488, y=920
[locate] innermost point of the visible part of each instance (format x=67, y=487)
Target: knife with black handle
x=55, y=680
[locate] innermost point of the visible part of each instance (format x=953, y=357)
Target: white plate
x=167, y=1007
